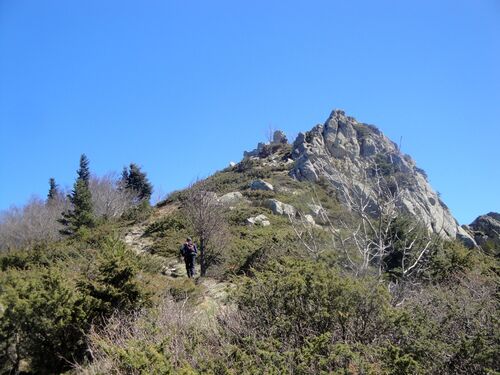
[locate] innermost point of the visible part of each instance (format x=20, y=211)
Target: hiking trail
x=214, y=292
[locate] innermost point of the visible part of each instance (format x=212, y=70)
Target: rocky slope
x=344, y=152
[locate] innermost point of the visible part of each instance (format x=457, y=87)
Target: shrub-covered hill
x=294, y=276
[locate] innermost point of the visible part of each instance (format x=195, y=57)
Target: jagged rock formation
x=344, y=146
x=486, y=228
x=343, y=150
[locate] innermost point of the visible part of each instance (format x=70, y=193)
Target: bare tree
x=307, y=233
x=270, y=133
x=108, y=199
x=365, y=234
x=33, y=223
x=207, y=219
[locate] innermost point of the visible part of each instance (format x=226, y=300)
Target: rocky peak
x=486, y=228
x=344, y=149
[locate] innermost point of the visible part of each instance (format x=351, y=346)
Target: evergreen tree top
x=52, y=189
x=136, y=180
x=84, y=171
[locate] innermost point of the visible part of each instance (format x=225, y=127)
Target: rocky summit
x=345, y=152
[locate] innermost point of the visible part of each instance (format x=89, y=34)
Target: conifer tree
x=136, y=180
x=53, y=191
x=84, y=171
x=81, y=199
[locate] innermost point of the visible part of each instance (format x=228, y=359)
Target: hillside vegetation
x=294, y=280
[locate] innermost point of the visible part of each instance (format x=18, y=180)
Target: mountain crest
x=345, y=151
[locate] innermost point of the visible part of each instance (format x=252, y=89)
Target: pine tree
x=84, y=171
x=137, y=181
x=80, y=215
x=53, y=191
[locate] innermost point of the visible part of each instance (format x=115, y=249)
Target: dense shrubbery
x=302, y=317
x=51, y=296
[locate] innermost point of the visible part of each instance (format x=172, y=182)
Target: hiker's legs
x=193, y=262
x=188, y=266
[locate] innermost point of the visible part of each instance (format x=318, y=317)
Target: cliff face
x=342, y=150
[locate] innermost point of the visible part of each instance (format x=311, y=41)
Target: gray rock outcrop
x=279, y=139
x=343, y=150
x=232, y=198
x=259, y=220
x=280, y=208
x=486, y=228
x=261, y=185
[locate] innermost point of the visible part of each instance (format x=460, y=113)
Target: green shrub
x=183, y=289
x=43, y=321
x=293, y=299
x=114, y=284
x=165, y=224
x=139, y=212
x=140, y=357
x=448, y=258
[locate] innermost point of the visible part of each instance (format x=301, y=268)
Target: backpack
x=189, y=249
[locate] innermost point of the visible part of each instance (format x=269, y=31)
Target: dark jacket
x=189, y=250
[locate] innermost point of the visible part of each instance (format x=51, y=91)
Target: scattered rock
x=261, y=185
x=259, y=220
x=280, y=208
x=232, y=198
x=310, y=220
x=232, y=164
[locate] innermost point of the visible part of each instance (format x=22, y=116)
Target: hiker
x=189, y=251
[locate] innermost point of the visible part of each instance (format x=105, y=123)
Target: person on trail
x=189, y=251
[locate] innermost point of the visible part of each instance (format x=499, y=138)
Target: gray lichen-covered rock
x=344, y=149
x=256, y=152
x=261, y=185
x=280, y=208
x=259, y=220
x=232, y=198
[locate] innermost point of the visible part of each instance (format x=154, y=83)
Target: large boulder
x=280, y=208
x=261, y=185
x=232, y=198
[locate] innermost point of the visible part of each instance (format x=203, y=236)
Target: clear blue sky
x=184, y=87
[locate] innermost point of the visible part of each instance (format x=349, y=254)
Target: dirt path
x=214, y=292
